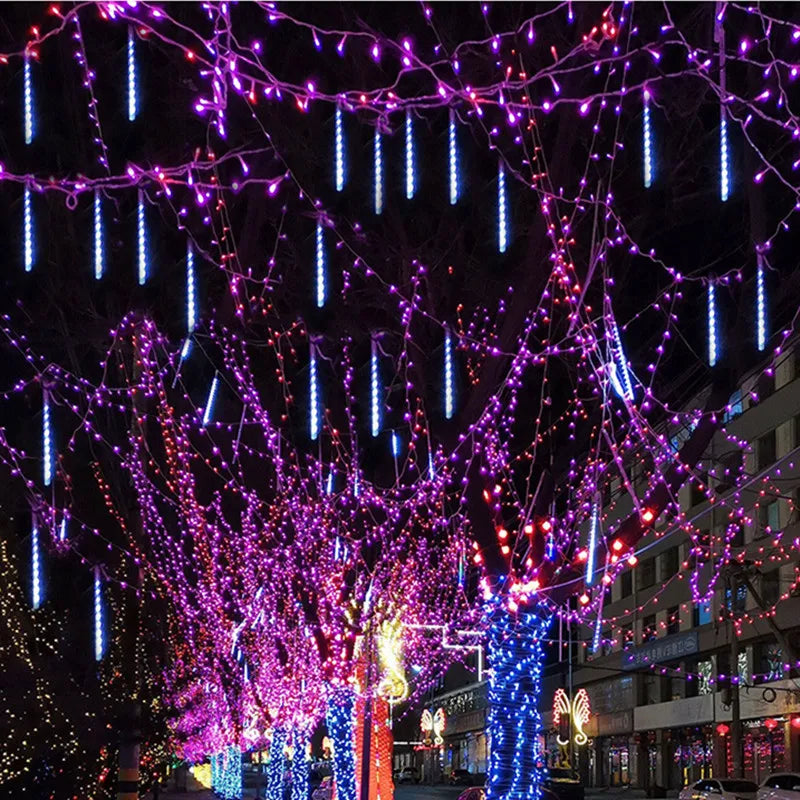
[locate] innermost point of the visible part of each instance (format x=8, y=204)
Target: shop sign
x=669, y=649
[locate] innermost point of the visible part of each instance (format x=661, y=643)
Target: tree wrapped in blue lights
x=277, y=762
x=339, y=719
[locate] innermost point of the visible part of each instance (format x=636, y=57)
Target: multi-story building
x=663, y=706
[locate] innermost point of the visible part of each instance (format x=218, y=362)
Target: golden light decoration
x=393, y=686
x=579, y=713
x=433, y=725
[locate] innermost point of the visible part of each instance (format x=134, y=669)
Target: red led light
x=617, y=545
x=648, y=515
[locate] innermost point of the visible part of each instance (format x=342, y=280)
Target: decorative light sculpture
x=191, y=290
x=502, y=210
x=647, y=142
x=36, y=568
x=339, y=165
x=99, y=643
x=99, y=251
x=27, y=229
x=208, y=411
x=141, y=242
x=411, y=184
x=133, y=89
x=322, y=289
x=378, y=177
x=452, y=158
x=761, y=305
x=313, y=396
x=47, y=441
x=374, y=390
x=29, y=121
x=712, y=325
x=449, y=391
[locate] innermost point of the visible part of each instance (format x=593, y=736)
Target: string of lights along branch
x=98, y=248
x=141, y=241
x=452, y=158
x=191, y=289
x=313, y=395
x=29, y=121
x=36, y=568
x=411, y=178
x=713, y=344
x=502, y=209
x=99, y=643
x=29, y=255
x=47, y=441
x=133, y=88
x=374, y=390
x=378, y=176
x=761, y=305
x=208, y=411
x=338, y=155
x=322, y=285
x=449, y=389
x=647, y=142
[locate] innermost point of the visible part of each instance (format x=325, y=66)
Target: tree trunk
x=275, y=766
x=516, y=656
x=300, y=770
x=339, y=719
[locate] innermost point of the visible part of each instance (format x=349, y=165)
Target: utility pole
x=736, y=719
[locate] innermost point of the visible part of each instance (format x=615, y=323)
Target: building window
x=728, y=469
x=766, y=385
x=769, y=520
x=766, y=450
x=736, y=600
x=701, y=615
x=670, y=563
x=769, y=666
x=627, y=636
x=673, y=620
x=626, y=583
x=743, y=670
x=649, y=632
x=770, y=588
x=705, y=675
x=647, y=573
x=734, y=407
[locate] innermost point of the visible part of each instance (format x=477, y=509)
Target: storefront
x=466, y=744
x=763, y=748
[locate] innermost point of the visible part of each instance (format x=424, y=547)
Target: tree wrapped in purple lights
x=457, y=349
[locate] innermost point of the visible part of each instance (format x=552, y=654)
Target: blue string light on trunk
x=276, y=764
x=339, y=720
x=516, y=653
x=300, y=767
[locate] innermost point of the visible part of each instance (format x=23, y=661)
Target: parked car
x=461, y=777
x=780, y=786
x=563, y=783
x=408, y=775
x=723, y=789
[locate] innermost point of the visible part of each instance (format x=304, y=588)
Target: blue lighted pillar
x=339, y=720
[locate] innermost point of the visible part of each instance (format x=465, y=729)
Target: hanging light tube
x=592, y=547
x=712, y=325
x=141, y=241
x=378, y=156
x=99, y=643
x=374, y=390
x=339, y=149
x=27, y=99
x=502, y=210
x=647, y=142
x=47, y=442
x=36, y=568
x=313, y=396
x=191, y=289
x=99, y=254
x=411, y=181
x=133, y=90
x=761, y=305
x=322, y=289
x=27, y=229
x=452, y=160
x=724, y=157
x=208, y=411
x=449, y=394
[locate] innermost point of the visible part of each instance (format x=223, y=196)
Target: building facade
x=678, y=625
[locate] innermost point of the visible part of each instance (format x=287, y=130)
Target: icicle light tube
x=449, y=393
x=99, y=253
x=27, y=230
x=761, y=307
x=502, y=210
x=191, y=290
x=208, y=412
x=339, y=149
x=27, y=100
x=99, y=644
x=47, y=442
x=313, y=397
x=712, y=326
x=591, y=555
x=141, y=242
x=374, y=390
x=133, y=89
x=321, y=283
x=724, y=158
x=647, y=142
x=378, y=177
x=452, y=159
x=411, y=184
x=36, y=568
